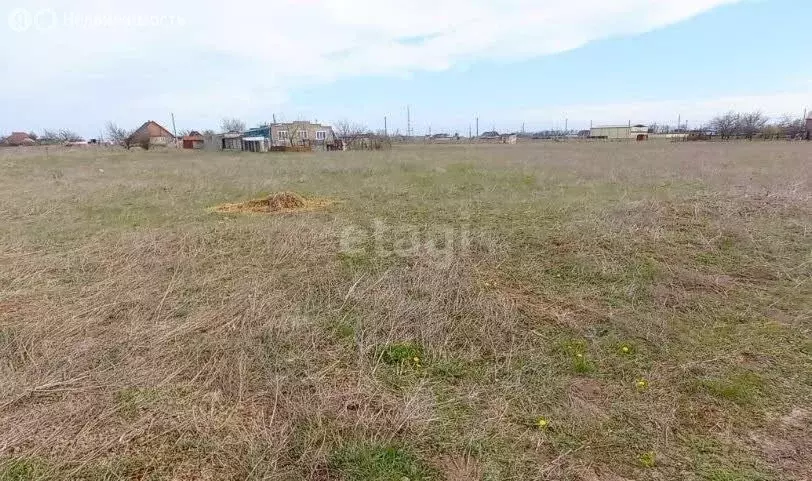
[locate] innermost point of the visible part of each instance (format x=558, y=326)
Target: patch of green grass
x=710, y=473
x=24, y=469
x=378, y=462
x=742, y=388
x=402, y=354
x=577, y=356
x=648, y=459
x=132, y=400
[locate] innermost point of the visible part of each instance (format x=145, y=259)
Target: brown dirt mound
x=275, y=203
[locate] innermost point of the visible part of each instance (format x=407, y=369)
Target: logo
x=20, y=20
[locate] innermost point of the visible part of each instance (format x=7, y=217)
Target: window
x=282, y=135
x=321, y=135
x=303, y=134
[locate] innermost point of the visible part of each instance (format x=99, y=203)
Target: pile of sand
x=280, y=202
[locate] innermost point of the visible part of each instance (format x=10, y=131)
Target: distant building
x=17, y=139
x=809, y=128
x=490, y=135
x=226, y=141
x=193, y=141
x=301, y=132
x=619, y=132
x=156, y=133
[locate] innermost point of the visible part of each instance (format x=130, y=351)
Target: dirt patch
x=10, y=307
x=600, y=474
x=460, y=468
x=587, y=399
x=281, y=202
x=788, y=445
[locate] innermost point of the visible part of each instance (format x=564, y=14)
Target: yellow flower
x=416, y=360
x=579, y=355
x=625, y=349
x=542, y=423
x=641, y=384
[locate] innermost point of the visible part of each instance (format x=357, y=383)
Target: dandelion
x=542, y=423
x=416, y=360
x=625, y=349
x=579, y=355
x=641, y=384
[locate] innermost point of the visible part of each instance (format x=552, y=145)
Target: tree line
x=750, y=125
x=730, y=125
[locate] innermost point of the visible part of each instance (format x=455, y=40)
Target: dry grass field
x=561, y=311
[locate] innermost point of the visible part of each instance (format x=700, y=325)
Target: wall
x=310, y=128
x=611, y=132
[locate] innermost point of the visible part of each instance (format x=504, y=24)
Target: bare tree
x=66, y=135
x=33, y=135
x=232, y=125
x=349, y=131
x=208, y=132
x=120, y=136
x=184, y=132
x=751, y=123
x=49, y=136
x=791, y=127
x=725, y=125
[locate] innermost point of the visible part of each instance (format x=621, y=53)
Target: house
x=808, y=135
x=490, y=135
x=619, y=132
x=155, y=132
x=194, y=140
x=510, y=139
x=17, y=139
x=257, y=139
x=300, y=133
x=226, y=141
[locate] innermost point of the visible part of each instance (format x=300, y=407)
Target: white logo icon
x=20, y=20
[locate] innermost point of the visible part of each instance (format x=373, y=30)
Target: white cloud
x=264, y=49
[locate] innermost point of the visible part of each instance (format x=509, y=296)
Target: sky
x=540, y=64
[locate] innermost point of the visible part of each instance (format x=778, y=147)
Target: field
x=562, y=311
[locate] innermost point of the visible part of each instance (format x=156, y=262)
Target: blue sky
x=510, y=62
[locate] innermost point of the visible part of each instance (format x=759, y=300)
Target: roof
x=491, y=133
x=154, y=129
x=193, y=135
x=19, y=138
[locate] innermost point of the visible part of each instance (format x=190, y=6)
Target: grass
x=650, y=302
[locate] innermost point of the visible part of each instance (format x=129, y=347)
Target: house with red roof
x=17, y=139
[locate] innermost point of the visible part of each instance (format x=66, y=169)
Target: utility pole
x=566, y=127
x=679, y=122
x=408, y=122
x=522, y=127
x=385, y=128
x=174, y=129
x=477, y=126
x=274, y=118
x=469, y=131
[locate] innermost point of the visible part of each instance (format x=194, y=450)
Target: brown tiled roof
x=19, y=138
x=154, y=129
